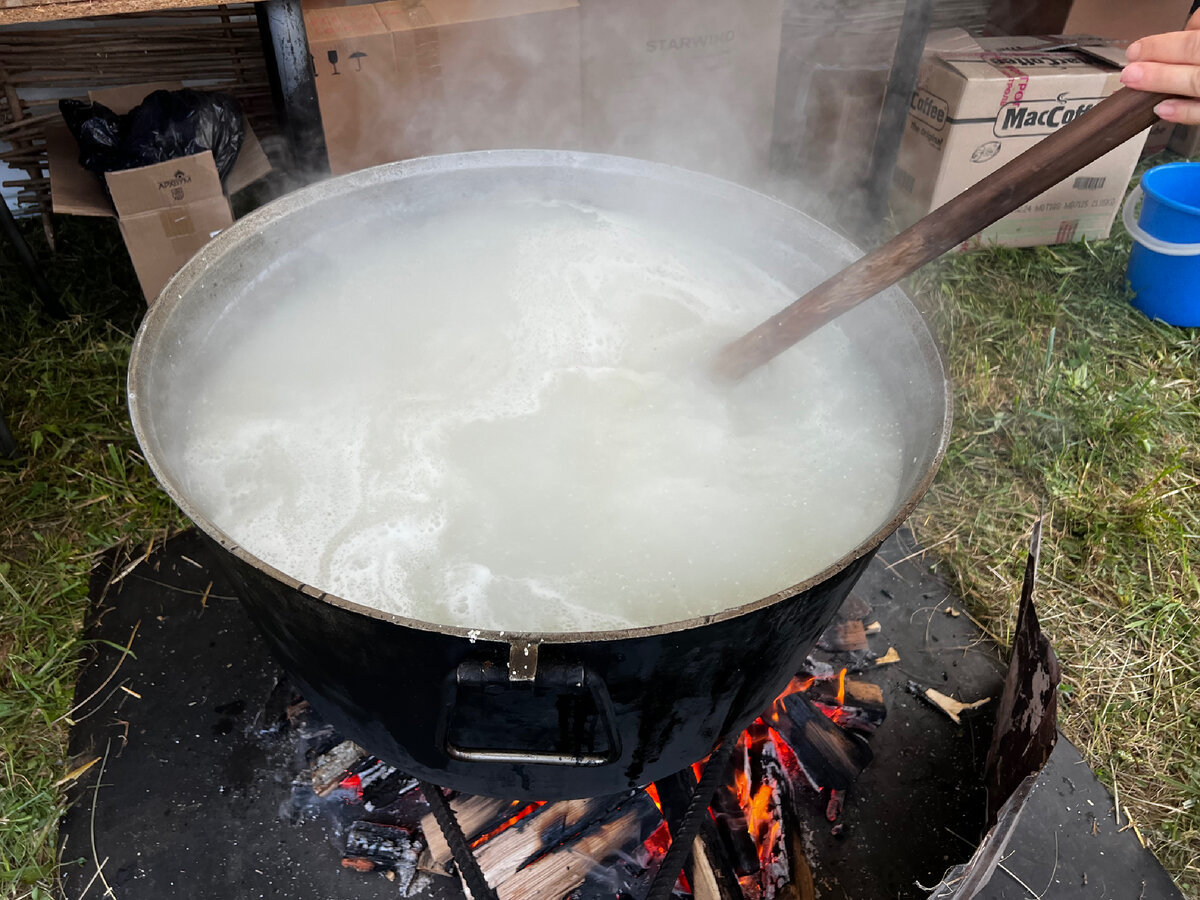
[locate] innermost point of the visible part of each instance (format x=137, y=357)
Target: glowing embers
x=748, y=847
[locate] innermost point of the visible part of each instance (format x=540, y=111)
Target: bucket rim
x=1149, y=190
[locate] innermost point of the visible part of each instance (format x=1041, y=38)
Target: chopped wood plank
x=551, y=825
x=622, y=834
x=474, y=814
x=844, y=637
x=951, y=707
x=888, y=658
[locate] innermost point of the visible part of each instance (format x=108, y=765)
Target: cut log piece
x=850, y=703
x=602, y=851
x=475, y=815
x=844, y=637
x=832, y=756
x=333, y=766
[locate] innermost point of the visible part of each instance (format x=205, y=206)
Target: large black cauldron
x=528, y=716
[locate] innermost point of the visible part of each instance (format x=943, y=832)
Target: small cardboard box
x=976, y=109
x=1102, y=18
x=166, y=211
x=399, y=79
x=687, y=82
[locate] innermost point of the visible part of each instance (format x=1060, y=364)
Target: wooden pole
x=1106, y=126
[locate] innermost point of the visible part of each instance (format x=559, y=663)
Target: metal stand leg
x=906, y=64
x=684, y=832
x=459, y=848
x=293, y=83
x=9, y=226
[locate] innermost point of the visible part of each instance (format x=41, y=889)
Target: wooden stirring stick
x=1106, y=126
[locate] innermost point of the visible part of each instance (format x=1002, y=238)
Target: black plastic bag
x=98, y=131
x=165, y=125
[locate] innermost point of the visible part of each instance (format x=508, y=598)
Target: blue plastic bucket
x=1164, y=265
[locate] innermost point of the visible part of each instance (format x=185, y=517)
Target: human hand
x=1169, y=64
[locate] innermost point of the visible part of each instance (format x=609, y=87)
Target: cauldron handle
x=475, y=674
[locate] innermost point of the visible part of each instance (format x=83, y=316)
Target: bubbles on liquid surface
x=501, y=419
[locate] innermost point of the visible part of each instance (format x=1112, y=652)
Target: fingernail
x=1132, y=75
x=1134, y=51
x=1165, y=109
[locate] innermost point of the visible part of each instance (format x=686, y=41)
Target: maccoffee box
x=980, y=103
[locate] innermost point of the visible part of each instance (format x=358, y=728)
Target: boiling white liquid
x=502, y=420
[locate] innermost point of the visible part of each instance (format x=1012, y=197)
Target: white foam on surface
x=500, y=419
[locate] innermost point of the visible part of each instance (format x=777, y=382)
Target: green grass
x=1069, y=403
x=78, y=487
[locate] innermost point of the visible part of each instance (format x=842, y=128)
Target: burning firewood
x=850, y=703
x=372, y=846
x=831, y=756
x=333, y=766
x=606, y=846
x=474, y=815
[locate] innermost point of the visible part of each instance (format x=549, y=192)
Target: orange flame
x=658, y=842
x=652, y=793
x=524, y=812
x=841, y=691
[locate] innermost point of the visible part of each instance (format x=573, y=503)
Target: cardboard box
x=687, y=82
x=166, y=211
x=399, y=79
x=975, y=110
x=1102, y=18
x=1185, y=140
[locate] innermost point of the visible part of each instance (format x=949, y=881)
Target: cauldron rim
x=196, y=268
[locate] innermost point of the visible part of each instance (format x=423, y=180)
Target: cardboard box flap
x=949, y=41
x=1002, y=65
x=122, y=99
x=175, y=182
x=402, y=15
x=73, y=189
x=251, y=164
x=332, y=23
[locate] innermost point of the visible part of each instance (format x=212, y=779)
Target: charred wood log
x=373, y=846
x=850, y=703
x=831, y=756
x=844, y=637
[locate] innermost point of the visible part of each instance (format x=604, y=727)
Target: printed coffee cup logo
x=930, y=109
x=692, y=42
x=986, y=151
x=175, y=183
x=1031, y=118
